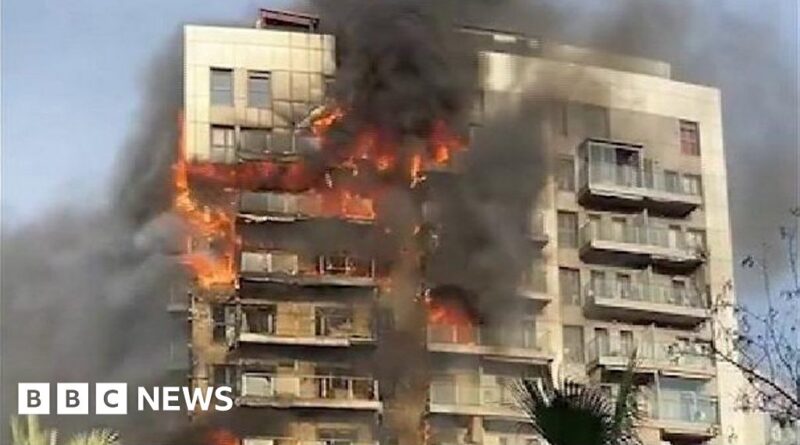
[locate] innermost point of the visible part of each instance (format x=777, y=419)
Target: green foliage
x=577, y=414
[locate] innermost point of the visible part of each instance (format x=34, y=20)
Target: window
x=255, y=140
x=692, y=185
x=570, y=284
x=259, y=90
x=221, y=87
x=671, y=181
x=259, y=320
x=690, y=138
x=218, y=323
x=696, y=239
x=222, y=144
x=603, y=344
x=566, y=174
x=597, y=280
x=627, y=343
x=223, y=375
x=573, y=344
x=567, y=229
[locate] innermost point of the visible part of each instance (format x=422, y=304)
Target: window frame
x=562, y=178
x=574, y=229
x=267, y=94
x=575, y=299
x=215, y=90
x=689, y=137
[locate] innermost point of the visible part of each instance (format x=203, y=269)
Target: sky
x=72, y=77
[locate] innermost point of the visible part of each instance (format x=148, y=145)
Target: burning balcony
x=617, y=174
x=626, y=242
x=465, y=395
x=676, y=358
x=309, y=391
x=323, y=270
x=289, y=207
x=520, y=344
x=306, y=325
x=679, y=303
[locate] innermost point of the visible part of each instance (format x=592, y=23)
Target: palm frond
x=577, y=414
x=96, y=437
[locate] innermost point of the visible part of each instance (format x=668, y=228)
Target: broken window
x=259, y=320
x=690, y=138
x=333, y=321
x=221, y=86
x=566, y=174
x=259, y=89
x=567, y=229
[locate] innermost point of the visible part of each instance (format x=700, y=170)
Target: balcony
x=687, y=360
x=309, y=391
x=496, y=401
x=522, y=345
x=533, y=286
x=256, y=207
x=646, y=303
x=324, y=270
x=613, y=174
x=329, y=326
x=636, y=245
x=535, y=229
x=684, y=414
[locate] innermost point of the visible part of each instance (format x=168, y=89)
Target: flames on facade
x=335, y=185
x=450, y=317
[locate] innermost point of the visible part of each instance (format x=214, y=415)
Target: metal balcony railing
x=490, y=396
x=688, y=407
x=320, y=326
x=646, y=293
x=636, y=235
x=523, y=338
x=691, y=356
x=344, y=388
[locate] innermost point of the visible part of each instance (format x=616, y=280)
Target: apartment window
x=255, y=140
x=570, y=284
x=223, y=375
x=218, y=323
x=567, y=229
x=597, y=281
x=696, y=239
x=692, y=185
x=259, y=320
x=221, y=87
x=259, y=90
x=627, y=343
x=690, y=138
x=573, y=344
x=602, y=342
x=566, y=174
x=671, y=181
x=222, y=143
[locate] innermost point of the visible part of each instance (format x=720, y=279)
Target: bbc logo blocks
x=72, y=398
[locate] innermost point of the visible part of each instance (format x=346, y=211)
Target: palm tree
x=95, y=437
x=29, y=432
x=578, y=414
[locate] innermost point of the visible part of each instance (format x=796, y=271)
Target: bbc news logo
x=112, y=398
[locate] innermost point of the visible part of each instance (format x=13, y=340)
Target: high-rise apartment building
x=629, y=237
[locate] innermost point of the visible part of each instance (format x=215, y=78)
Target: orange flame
x=223, y=437
x=205, y=225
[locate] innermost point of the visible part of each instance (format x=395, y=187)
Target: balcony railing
x=536, y=227
x=522, y=338
x=490, y=396
x=646, y=293
x=342, y=388
x=686, y=407
x=691, y=356
x=637, y=235
x=270, y=326
x=629, y=176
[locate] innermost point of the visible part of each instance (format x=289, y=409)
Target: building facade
x=630, y=235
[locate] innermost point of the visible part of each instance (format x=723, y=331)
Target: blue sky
x=71, y=87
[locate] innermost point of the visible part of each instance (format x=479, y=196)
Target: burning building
x=368, y=272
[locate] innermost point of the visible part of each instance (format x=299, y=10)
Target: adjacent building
x=630, y=234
